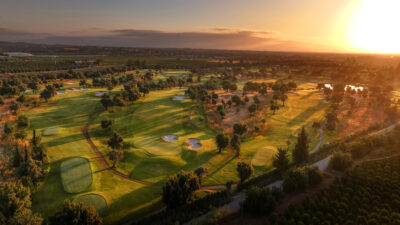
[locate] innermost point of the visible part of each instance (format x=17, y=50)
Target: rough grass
x=97, y=201
x=76, y=174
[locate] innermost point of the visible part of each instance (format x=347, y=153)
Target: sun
x=375, y=26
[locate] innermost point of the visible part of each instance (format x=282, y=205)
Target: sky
x=275, y=25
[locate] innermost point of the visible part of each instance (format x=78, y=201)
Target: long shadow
x=305, y=115
x=65, y=140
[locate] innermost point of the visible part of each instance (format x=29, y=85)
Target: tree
x=106, y=101
x=8, y=129
x=239, y=128
x=48, y=92
x=76, y=214
x=14, y=107
x=331, y=119
x=295, y=180
x=252, y=108
x=300, y=152
x=274, y=106
x=116, y=141
x=107, y=123
x=281, y=160
x=236, y=99
x=15, y=205
x=23, y=121
x=283, y=97
x=17, y=157
x=245, y=170
x=179, y=189
x=259, y=201
x=200, y=172
x=222, y=141
x=340, y=161
x=235, y=144
x=115, y=156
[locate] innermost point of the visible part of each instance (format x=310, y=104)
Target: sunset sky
x=278, y=25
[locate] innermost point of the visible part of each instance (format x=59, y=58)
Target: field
x=148, y=159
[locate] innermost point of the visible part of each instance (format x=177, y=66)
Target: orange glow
x=374, y=26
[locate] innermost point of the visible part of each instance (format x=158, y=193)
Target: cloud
x=217, y=38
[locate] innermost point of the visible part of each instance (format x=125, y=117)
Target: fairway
x=76, y=175
x=51, y=131
x=97, y=201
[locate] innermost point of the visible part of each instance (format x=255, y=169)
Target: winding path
x=103, y=161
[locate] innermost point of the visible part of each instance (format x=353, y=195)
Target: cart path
x=103, y=161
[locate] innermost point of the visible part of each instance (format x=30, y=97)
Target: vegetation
x=348, y=200
x=76, y=214
x=179, y=189
x=245, y=170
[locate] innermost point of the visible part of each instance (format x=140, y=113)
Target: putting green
x=263, y=156
x=76, y=175
x=51, y=131
x=97, y=201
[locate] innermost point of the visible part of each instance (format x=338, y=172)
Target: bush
x=106, y=123
x=23, y=121
x=314, y=176
x=259, y=201
x=340, y=161
x=295, y=180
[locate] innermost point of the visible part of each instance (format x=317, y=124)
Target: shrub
x=295, y=180
x=314, y=176
x=259, y=201
x=340, y=161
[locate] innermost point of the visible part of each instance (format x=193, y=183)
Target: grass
x=300, y=110
x=97, y=201
x=51, y=131
x=76, y=174
x=71, y=112
x=147, y=157
x=143, y=125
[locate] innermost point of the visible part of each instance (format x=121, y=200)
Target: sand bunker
x=170, y=138
x=179, y=98
x=292, y=93
x=70, y=83
x=60, y=92
x=193, y=143
x=100, y=93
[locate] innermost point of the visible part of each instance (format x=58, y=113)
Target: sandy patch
x=100, y=93
x=170, y=138
x=178, y=98
x=193, y=143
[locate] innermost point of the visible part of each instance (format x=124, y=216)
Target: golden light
x=375, y=26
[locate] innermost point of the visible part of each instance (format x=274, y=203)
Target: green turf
x=76, y=174
x=97, y=201
x=147, y=156
x=70, y=112
x=51, y=131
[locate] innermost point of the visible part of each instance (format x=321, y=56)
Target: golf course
x=77, y=172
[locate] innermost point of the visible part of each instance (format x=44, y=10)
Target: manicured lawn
x=76, y=174
x=97, y=201
x=70, y=112
x=147, y=156
x=300, y=110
